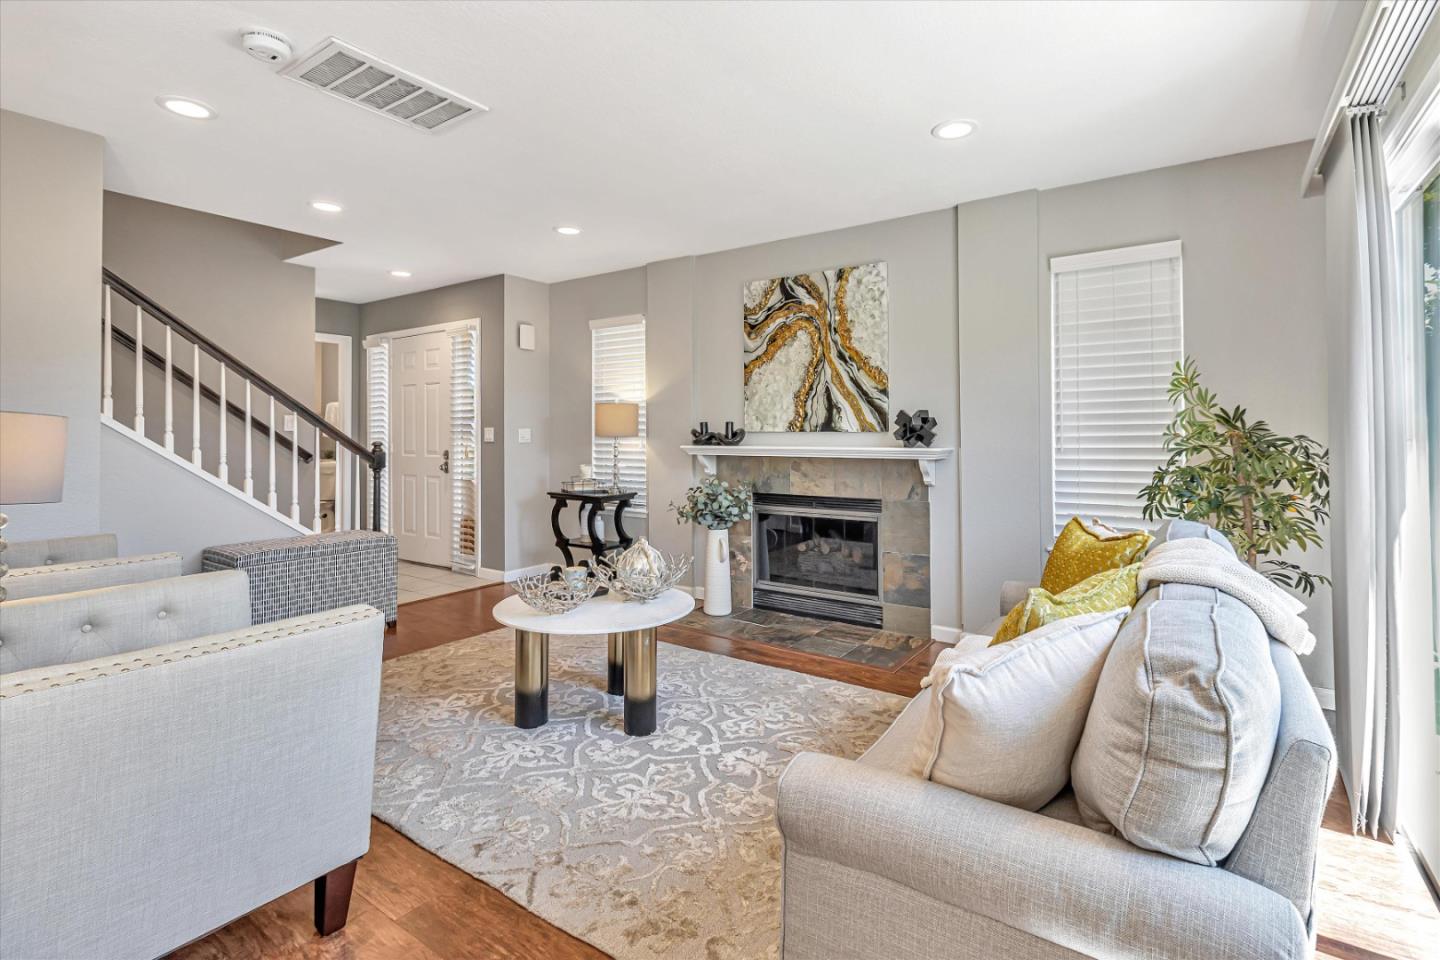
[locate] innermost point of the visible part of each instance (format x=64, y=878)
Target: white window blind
x=1116, y=339
x=617, y=375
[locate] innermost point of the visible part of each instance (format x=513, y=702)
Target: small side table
x=630, y=626
x=596, y=544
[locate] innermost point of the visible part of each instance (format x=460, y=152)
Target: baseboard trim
x=945, y=634
x=485, y=573
x=510, y=576
x=697, y=592
x=1326, y=696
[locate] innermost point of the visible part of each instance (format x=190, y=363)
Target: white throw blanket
x=1208, y=564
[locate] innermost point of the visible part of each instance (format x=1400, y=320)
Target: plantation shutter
x=1116, y=339
x=617, y=375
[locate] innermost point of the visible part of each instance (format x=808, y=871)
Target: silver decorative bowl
x=555, y=596
x=642, y=572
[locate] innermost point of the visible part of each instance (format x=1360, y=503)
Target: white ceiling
x=663, y=129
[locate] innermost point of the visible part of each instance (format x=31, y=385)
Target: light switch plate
x=527, y=336
x=489, y=434
x=523, y=435
x=289, y=426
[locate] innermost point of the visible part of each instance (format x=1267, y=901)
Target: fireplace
x=819, y=556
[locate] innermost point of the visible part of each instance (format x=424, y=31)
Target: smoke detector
x=266, y=46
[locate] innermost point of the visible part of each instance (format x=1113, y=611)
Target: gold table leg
x=532, y=678
x=639, y=651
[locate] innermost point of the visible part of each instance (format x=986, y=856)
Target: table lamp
x=616, y=420
x=32, y=464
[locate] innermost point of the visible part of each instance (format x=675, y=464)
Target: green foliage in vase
x=1266, y=492
x=714, y=504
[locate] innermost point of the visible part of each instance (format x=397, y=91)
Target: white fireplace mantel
x=925, y=457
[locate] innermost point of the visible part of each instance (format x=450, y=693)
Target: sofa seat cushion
x=1182, y=725
x=1003, y=722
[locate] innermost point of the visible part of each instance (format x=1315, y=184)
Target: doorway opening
x=333, y=400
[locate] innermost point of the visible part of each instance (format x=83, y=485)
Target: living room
x=997, y=519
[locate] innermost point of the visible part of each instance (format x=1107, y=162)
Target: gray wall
x=462, y=301
x=1254, y=289
x=50, y=184
x=226, y=278
x=336, y=316
x=528, y=539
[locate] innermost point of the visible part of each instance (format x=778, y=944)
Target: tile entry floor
x=844, y=641
x=418, y=581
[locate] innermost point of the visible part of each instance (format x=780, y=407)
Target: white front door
x=420, y=460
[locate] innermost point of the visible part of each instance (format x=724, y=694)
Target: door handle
x=445, y=462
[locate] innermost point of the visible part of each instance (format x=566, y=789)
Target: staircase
x=226, y=424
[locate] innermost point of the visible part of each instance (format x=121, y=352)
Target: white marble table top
x=607, y=614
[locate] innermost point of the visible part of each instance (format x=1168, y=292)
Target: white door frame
x=384, y=339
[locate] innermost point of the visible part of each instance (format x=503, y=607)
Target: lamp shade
x=617, y=419
x=32, y=457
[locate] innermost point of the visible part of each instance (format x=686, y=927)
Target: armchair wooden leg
x=332, y=898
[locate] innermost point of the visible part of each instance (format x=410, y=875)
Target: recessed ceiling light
x=953, y=129
x=565, y=230
x=185, y=107
x=326, y=206
x=402, y=274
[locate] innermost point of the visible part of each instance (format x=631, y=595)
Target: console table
x=596, y=544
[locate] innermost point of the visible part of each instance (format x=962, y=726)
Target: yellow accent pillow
x=1082, y=550
x=1107, y=590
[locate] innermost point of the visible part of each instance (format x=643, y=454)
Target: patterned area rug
x=659, y=846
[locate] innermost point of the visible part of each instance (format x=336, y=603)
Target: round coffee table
x=630, y=626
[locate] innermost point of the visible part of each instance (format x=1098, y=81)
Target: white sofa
x=41, y=568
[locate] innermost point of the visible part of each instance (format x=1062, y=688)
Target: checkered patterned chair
x=299, y=575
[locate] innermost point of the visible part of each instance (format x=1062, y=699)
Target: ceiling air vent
x=342, y=71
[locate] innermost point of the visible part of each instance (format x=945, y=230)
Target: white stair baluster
x=107, y=395
x=169, y=394
x=224, y=469
x=139, y=370
x=271, y=500
x=249, y=444
x=195, y=455
x=342, y=489
x=315, y=516
x=295, y=469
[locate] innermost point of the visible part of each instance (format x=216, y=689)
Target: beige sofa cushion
x=1182, y=727
x=1003, y=722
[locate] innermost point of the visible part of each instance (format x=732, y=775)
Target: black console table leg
x=560, y=540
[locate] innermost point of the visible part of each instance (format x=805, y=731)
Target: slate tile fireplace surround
x=844, y=539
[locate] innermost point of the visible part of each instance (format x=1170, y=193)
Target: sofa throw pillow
x=1003, y=721
x=1182, y=727
x=1082, y=550
x=1107, y=590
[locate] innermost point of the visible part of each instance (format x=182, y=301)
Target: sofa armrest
x=151, y=798
x=1013, y=592
x=88, y=575
x=1081, y=890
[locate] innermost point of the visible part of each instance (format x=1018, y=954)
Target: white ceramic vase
x=717, y=573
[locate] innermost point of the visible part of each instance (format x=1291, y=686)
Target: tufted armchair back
x=72, y=627
x=42, y=553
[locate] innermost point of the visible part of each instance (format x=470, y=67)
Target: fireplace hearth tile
x=902, y=480
x=774, y=475
x=829, y=646
x=912, y=620
x=812, y=477
x=905, y=579
x=905, y=527
x=859, y=478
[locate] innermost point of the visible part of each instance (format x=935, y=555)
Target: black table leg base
x=615, y=661
x=532, y=709
x=639, y=717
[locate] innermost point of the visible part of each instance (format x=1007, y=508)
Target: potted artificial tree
x=716, y=505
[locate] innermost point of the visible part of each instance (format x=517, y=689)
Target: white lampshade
x=617, y=419
x=32, y=457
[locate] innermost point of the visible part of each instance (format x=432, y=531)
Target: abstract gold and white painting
x=817, y=351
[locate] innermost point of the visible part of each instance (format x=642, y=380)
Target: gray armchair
x=168, y=768
x=880, y=863
x=40, y=568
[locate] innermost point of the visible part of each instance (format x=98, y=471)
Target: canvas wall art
x=817, y=351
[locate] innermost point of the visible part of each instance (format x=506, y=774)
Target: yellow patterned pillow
x=1081, y=551
x=1107, y=590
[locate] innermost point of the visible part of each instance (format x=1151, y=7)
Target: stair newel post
x=107, y=383
x=271, y=500
x=139, y=370
x=295, y=468
x=169, y=392
x=377, y=470
x=223, y=471
x=249, y=443
x=195, y=456
x=315, y=515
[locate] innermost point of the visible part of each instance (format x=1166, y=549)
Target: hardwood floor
x=410, y=905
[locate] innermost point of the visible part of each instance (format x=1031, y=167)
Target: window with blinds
x=1116, y=337
x=617, y=375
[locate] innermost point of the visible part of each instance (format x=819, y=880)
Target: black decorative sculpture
x=706, y=437
x=917, y=430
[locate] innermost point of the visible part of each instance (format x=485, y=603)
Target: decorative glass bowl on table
x=642, y=572
x=555, y=596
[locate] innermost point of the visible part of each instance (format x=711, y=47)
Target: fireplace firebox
x=818, y=557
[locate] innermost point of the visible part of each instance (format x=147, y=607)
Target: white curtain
x=1378, y=485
